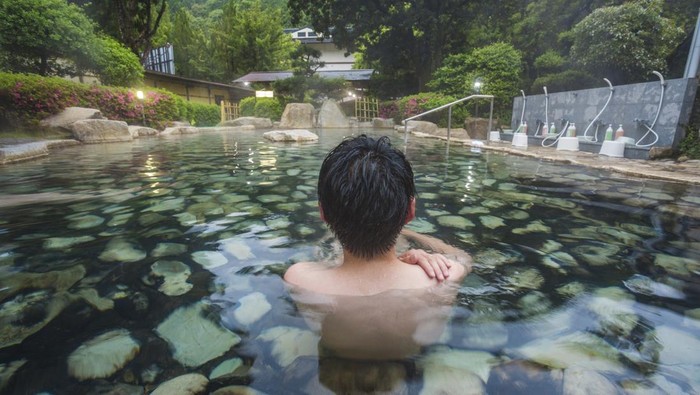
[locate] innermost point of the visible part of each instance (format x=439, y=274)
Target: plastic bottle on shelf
x=545, y=130
x=609, y=133
x=619, y=132
x=572, y=130
x=553, y=129
x=524, y=129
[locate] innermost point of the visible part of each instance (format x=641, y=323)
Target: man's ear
x=411, y=210
x=320, y=211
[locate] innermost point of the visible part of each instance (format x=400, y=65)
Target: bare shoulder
x=299, y=272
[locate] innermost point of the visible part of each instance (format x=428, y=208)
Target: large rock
x=69, y=115
x=422, y=127
x=298, y=116
x=100, y=131
x=290, y=135
x=477, y=128
x=139, y=131
x=19, y=152
x=382, y=123
x=331, y=116
x=259, y=123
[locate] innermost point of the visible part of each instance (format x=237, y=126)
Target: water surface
x=170, y=253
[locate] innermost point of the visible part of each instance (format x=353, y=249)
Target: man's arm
x=436, y=265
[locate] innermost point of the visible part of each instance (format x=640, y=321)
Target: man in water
x=372, y=304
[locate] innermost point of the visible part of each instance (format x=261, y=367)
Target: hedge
x=29, y=98
x=263, y=107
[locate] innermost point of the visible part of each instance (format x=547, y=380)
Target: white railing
x=449, y=116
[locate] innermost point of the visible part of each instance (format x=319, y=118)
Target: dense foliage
x=625, y=43
x=30, y=98
x=263, y=107
x=498, y=67
x=52, y=37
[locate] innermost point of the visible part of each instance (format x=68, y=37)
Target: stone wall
x=628, y=103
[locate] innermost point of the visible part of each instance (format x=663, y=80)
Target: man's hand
x=435, y=265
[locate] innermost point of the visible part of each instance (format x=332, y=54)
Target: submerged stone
x=289, y=343
x=516, y=214
x=225, y=368
x=252, y=307
x=421, y=225
x=613, y=308
x=678, y=266
x=597, y=255
x=533, y=227
x=7, y=370
x=209, y=259
x=491, y=221
x=492, y=258
x=238, y=248
x=62, y=243
x=272, y=199
x=120, y=250
x=559, y=260
x=454, y=221
x=485, y=336
x=473, y=210
x=168, y=249
x=517, y=278
x=103, y=355
x=170, y=204
x=644, y=285
x=571, y=289
x=578, y=349
x=194, y=338
x=86, y=222
x=456, y=372
x=187, y=384
x=175, y=275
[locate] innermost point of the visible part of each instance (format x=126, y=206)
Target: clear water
x=579, y=274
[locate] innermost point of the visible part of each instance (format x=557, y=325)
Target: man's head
x=366, y=193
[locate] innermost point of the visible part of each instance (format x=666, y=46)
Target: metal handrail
x=449, y=117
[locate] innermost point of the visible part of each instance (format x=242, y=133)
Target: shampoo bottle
x=524, y=129
x=572, y=130
x=553, y=129
x=609, y=133
x=619, y=132
x=545, y=130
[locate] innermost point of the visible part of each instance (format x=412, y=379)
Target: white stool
x=495, y=135
x=519, y=140
x=615, y=149
x=567, y=144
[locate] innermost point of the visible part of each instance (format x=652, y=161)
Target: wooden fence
x=229, y=111
x=366, y=109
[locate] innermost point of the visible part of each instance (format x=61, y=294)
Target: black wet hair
x=365, y=189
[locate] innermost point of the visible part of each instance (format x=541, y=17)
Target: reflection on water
x=125, y=265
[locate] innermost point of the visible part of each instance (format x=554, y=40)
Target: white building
x=333, y=57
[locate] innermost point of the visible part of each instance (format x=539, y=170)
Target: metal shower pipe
x=585, y=132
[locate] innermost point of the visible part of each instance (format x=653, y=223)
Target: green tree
x=114, y=63
x=626, y=42
x=35, y=34
x=497, y=66
x=251, y=38
x=405, y=41
x=305, y=60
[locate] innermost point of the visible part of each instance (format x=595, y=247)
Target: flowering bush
x=32, y=98
x=413, y=105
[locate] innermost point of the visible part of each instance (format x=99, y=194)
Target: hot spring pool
x=125, y=265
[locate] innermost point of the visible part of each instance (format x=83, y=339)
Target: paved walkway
x=664, y=169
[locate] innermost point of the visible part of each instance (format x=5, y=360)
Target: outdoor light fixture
x=139, y=95
x=477, y=85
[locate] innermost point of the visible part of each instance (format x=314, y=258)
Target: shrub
x=247, y=107
x=413, y=105
x=200, y=114
x=263, y=107
x=31, y=98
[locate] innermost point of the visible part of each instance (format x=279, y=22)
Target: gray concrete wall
x=629, y=102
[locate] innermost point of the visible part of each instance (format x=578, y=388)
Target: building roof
x=270, y=76
x=194, y=81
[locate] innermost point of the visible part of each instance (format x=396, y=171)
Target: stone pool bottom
x=157, y=264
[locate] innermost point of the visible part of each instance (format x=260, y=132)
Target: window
x=312, y=34
x=301, y=34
